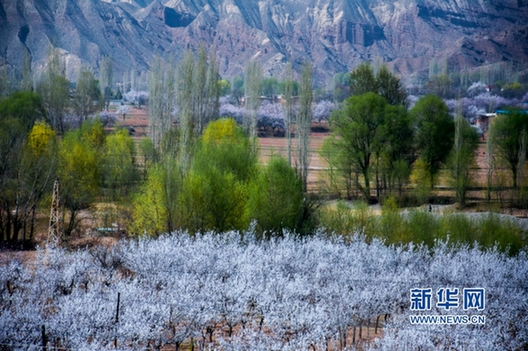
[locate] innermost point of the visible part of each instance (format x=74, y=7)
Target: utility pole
x=55, y=225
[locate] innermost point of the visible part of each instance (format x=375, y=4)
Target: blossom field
x=233, y=292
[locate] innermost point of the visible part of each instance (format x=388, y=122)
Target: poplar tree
x=288, y=106
x=87, y=98
x=26, y=79
x=54, y=89
x=462, y=158
x=253, y=89
x=106, y=77
x=185, y=105
x=304, y=121
x=162, y=92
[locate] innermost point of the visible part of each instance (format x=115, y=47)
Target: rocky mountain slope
x=333, y=34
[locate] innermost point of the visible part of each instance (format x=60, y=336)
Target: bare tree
x=253, y=88
x=288, y=105
x=87, y=98
x=26, y=76
x=184, y=99
x=304, y=120
x=54, y=89
x=162, y=92
x=197, y=99
x=106, y=77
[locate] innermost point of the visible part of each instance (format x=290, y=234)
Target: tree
x=462, y=158
x=390, y=87
x=358, y=134
x=26, y=107
x=87, y=98
x=214, y=191
x=106, y=77
x=150, y=214
x=23, y=169
x=270, y=87
x=363, y=80
x=26, y=75
x=397, y=152
x=508, y=133
x=440, y=85
x=123, y=110
x=162, y=92
x=288, y=86
x=119, y=170
x=79, y=170
x=304, y=121
x=253, y=90
x=237, y=88
x=26, y=173
x=54, y=89
x=434, y=132
x=224, y=87
x=198, y=95
x=276, y=198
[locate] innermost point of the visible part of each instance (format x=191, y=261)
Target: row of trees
x=64, y=107
x=375, y=139
x=223, y=189
x=33, y=156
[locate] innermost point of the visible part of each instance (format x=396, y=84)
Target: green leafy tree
x=435, y=131
x=79, y=172
x=224, y=86
x=150, y=214
x=508, y=134
x=358, y=131
x=397, y=151
x=276, y=198
x=363, y=80
x=390, y=87
x=215, y=190
x=26, y=107
x=270, y=87
x=119, y=170
x=23, y=169
x=237, y=88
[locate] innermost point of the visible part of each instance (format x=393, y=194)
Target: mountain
x=335, y=35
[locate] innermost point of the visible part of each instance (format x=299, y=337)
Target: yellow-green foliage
x=421, y=179
x=222, y=131
x=41, y=139
x=92, y=133
x=212, y=195
x=119, y=168
x=150, y=213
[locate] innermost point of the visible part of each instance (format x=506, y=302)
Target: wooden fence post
x=117, y=319
x=44, y=339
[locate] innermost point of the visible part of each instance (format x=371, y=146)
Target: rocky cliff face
x=333, y=34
